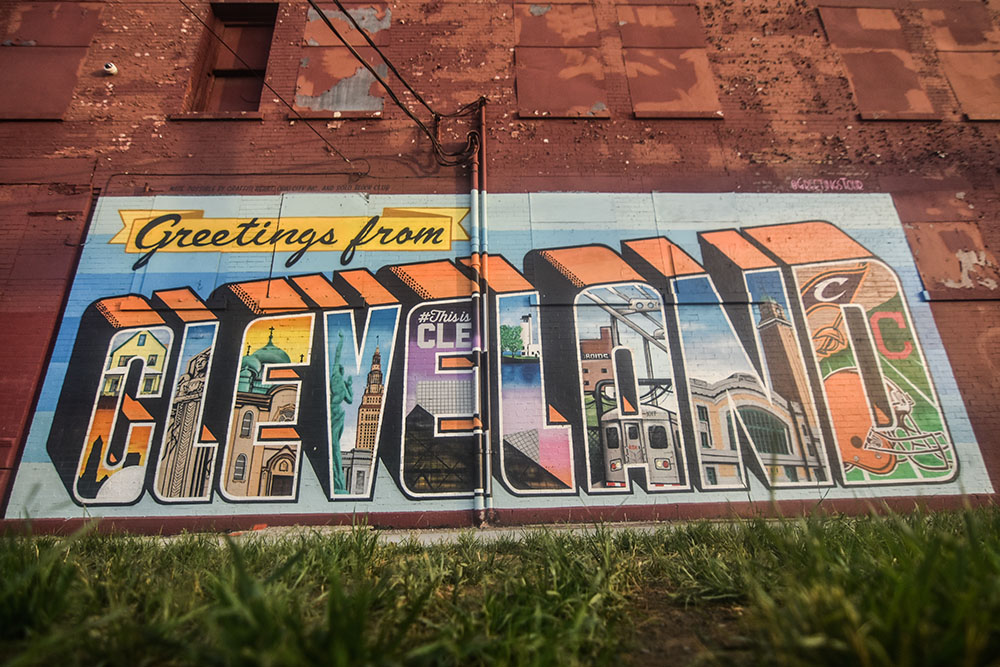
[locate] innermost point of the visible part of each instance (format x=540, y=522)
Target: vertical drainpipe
x=478, y=504
x=487, y=407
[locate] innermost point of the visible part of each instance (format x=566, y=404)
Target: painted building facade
x=662, y=283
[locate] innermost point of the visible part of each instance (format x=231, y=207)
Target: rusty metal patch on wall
x=671, y=83
x=962, y=28
x=863, y=28
x=331, y=79
x=560, y=82
x=886, y=85
x=374, y=18
x=953, y=260
x=53, y=24
x=41, y=54
x=555, y=25
x=658, y=26
x=43, y=76
x=882, y=72
x=975, y=78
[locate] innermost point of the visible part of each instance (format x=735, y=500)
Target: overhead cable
x=468, y=109
x=444, y=157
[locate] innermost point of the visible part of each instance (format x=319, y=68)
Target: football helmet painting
x=874, y=441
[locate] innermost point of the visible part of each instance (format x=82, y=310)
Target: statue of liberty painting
x=340, y=392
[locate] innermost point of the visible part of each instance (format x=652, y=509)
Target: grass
x=921, y=589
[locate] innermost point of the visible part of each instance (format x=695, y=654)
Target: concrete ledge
x=503, y=517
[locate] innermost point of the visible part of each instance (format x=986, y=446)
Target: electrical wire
x=444, y=157
x=263, y=80
x=468, y=109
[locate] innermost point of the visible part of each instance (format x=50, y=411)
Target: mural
x=779, y=355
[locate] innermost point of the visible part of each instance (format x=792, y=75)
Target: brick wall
x=784, y=93
x=788, y=114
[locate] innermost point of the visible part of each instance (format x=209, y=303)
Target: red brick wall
x=786, y=100
x=783, y=90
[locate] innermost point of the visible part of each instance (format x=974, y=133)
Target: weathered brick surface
x=971, y=333
x=783, y=89
x=41, y=231
x=788, y=115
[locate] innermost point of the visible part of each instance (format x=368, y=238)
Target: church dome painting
x=252, y=365
x=272, y=354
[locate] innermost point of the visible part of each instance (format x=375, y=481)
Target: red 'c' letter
x=896, y=317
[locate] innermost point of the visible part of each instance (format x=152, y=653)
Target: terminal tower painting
x=358, y=462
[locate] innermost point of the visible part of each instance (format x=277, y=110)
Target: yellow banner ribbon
x=399, y=229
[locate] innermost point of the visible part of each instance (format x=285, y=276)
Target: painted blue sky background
x=197, y=339
x=380, y=332
x=712, y=352
x=513, y=307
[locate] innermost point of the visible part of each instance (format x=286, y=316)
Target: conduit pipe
x=483, y=494
x=478, y=504
x=486, y=395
